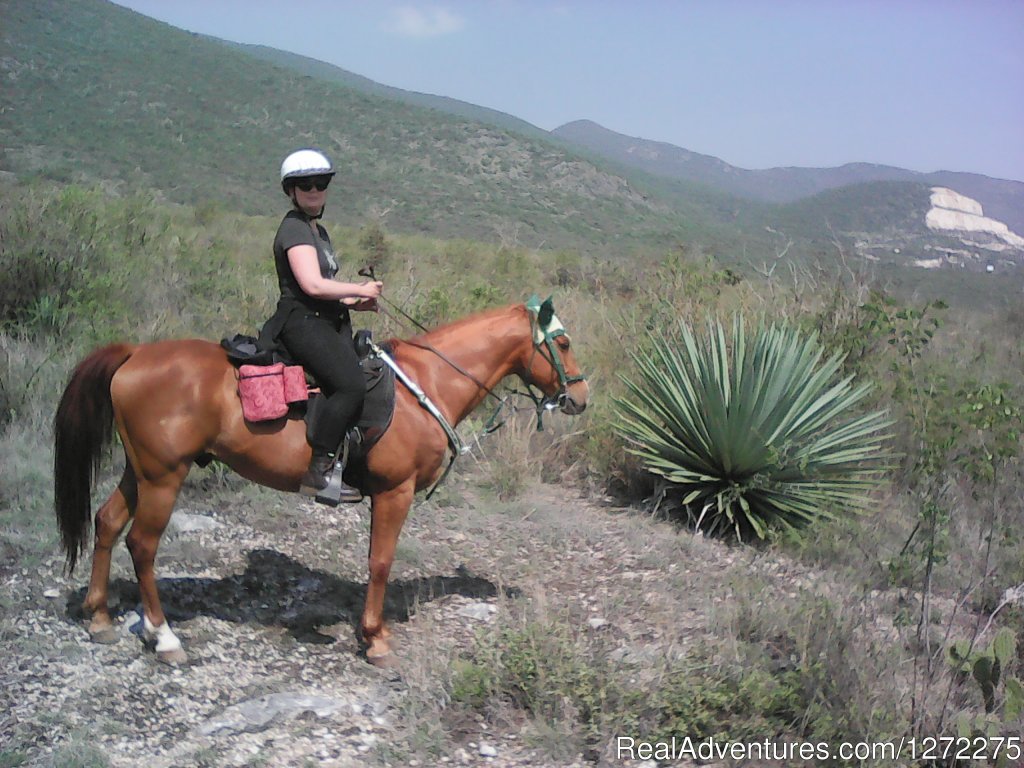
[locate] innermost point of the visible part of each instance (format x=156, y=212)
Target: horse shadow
x=275, y=590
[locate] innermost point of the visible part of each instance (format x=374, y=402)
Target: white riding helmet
x=303, y=163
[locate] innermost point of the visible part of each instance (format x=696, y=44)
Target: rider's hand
x=372, y=289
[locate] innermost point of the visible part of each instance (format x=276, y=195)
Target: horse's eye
x=563, y=343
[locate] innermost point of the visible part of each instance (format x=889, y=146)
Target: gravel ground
x=265, y=592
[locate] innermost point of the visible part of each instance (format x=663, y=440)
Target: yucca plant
x=752, y=434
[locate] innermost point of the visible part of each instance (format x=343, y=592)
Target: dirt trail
x=265, y=593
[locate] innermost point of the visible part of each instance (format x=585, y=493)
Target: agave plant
x=753, y=434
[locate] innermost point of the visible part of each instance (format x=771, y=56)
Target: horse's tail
x=82, y=428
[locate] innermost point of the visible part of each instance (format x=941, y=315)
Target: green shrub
x=375, y=246
x=12, y=759
x=727, y=704
x=838, y=663
x=799, y=674
x=48, y=243
x=752, y=436
x=80, y=754
x=73, y=261
x=542, y=669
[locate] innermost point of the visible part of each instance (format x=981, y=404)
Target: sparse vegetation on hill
x=103, y=94
x=100, y=95
x=328, y=72
x=543, y=608
x=1002, y=198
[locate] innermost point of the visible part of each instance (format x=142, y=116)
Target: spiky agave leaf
x=755, y=433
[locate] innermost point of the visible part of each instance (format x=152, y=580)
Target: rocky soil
x=265, y=592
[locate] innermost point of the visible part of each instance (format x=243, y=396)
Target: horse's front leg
x=389, y=510
x=110, y=521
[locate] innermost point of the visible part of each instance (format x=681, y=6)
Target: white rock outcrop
x=952, y=212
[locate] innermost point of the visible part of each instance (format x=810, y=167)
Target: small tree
x=374, y=243
x=752, y=435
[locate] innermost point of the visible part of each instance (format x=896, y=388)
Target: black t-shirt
x=295, y=230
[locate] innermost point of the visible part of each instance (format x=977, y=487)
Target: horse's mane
x=433, y=334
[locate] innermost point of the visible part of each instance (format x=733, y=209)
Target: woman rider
x=312, y=318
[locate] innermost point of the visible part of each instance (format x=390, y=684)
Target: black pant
x=325, y=348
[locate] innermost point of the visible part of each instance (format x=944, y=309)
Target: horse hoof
x=387, y=660
x=175, y=658
x=103, y=635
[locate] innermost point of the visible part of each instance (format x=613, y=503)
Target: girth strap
x=458, y=448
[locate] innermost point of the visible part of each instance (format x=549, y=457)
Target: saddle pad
x=379, y=405
x=376, y=414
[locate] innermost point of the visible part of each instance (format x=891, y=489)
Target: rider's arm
x=306, y=268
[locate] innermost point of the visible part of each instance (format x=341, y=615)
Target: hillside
x=328, y=72
x=265, y=604
x=1002, y=199
x=101, y=93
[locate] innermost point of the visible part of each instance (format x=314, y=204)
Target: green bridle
x=546, y=327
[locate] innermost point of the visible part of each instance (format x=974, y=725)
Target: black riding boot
x=324, y=478
x=318, y=474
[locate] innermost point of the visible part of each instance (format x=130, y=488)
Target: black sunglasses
x=307, y=185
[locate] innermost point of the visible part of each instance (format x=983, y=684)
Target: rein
x=492, y=424
x=544, y=329
x=369, y=272
x=538, y=323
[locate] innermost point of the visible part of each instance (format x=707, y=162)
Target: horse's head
x=552, y=366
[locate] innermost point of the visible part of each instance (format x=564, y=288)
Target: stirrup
x=337, y=490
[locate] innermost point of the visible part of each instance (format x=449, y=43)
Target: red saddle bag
x=267, y=390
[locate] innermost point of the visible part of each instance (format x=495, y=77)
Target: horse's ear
x=547, y=311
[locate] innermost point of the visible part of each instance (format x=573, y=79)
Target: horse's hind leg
x=155, y=504
x=110, y=521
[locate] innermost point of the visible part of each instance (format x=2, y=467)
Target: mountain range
x=1002, y=199
x=97, y=93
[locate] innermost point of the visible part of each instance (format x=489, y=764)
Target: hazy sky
x=920, y=84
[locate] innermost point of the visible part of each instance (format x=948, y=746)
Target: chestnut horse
x=175, y=402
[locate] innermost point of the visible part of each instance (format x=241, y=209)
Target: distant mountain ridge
x=99, y=94
x=1003, y=199
x=799, y=190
